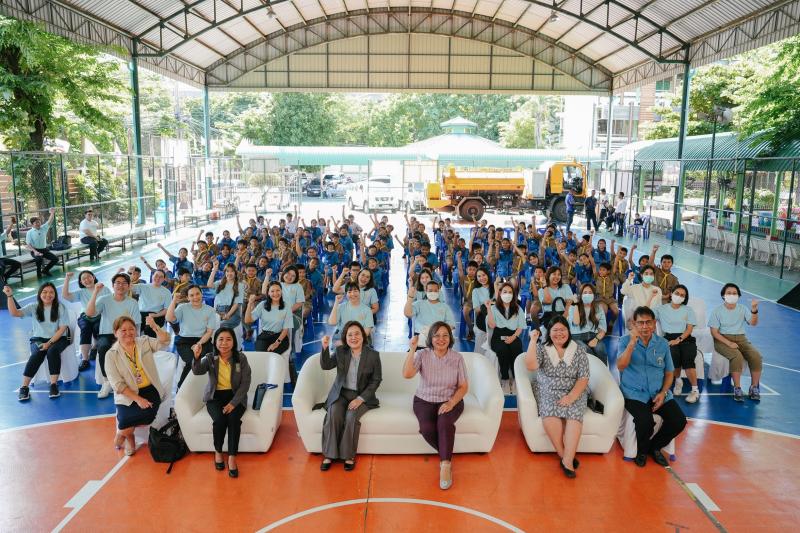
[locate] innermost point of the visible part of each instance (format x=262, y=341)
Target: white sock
x=695, y=388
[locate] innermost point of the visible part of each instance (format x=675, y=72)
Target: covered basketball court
x=65, y=476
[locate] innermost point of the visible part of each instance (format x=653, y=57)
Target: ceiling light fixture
x=270, y=12
x=553, y=17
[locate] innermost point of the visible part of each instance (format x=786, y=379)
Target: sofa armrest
x=309, y=381
x=485, y=387
x=604, y=388
x=522, y=380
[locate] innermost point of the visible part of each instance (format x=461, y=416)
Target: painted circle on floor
x=494, y=520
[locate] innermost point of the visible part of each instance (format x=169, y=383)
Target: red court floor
x=753, y=477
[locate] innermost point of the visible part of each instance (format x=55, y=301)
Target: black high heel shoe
x=219, y=466
x=349, y=466
x=233, y=472
x=325, y=466
x=567, y=472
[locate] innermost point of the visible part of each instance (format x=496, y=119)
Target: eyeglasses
x=442, y=336
x=644, y=322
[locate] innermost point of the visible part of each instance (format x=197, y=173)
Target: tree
x=48, y=84
x=293, y=119
x=534, y=124
x=771, y=108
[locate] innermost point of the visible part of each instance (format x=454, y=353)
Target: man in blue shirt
x=570, y=203
x=646, y=372
x=36, y=241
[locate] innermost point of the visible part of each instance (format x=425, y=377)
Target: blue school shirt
x=230, y=242
x=551, y=257
x=601, y=257
x=200, y=278
x=504, y=263
x=644, y=376
x=223, y=261
x=178, y=263
x=584, y=274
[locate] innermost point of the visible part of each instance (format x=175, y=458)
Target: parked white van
x=374, y=194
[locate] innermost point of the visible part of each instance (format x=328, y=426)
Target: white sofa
x=393, y=428
x=165, y=366
x=258, y=427
x=599, y=431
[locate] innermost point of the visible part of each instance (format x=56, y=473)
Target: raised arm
x=12, y=305
x=65, y=292
x=408, y=365
x=334, y=316
x=91, y=305
x=161, y=246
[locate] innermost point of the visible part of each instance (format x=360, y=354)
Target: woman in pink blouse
x=438, y=401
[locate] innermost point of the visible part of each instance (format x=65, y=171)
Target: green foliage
x=293, y=119
x=774, y=103
x=49, y=85
x=534, y=124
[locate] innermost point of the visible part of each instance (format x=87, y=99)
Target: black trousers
x=620, y=217
x=53, y=355
x=183, y=345
x=147, y=330
x=506, y=353
x=52, y=260
x=8, y=267
x=89, y=329
x=95, y=246
x=642, y=413
x=104, y=343
x=230, y=424
x=591, y=218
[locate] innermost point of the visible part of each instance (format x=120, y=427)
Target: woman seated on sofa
x=358, y=374
x=132, y=374
x=225, y=394
x=438, y=401
x=563, y=377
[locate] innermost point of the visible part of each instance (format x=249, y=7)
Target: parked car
x=314, y=187
x=336, y=190
x=374, y=194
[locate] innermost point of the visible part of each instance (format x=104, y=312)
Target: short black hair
x=182, y=271
x=643, y=311
x=728, y=286
x=668, y=257
x=558, y=319
x=607, y=266
x=123, y=275
x=681, y=286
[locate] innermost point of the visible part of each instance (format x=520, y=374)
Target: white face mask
x=648, y=278
x=676, y=299
x=731, y=298
x=432, y=295
x=506, y=297
x=587, y=298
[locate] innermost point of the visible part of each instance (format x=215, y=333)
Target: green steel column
x=133, y=66
x=207, y=134
x=676, y=224
x=773, y=227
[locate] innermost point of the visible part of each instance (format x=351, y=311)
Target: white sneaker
x=692, y=397
x=512, y=386
x=678, y=386
x=105, y=390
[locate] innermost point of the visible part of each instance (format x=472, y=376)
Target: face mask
x=506, y=297
x=731, y=298
x=432, y=295
x=676, y=299
x=587, y=298
x=648, y=278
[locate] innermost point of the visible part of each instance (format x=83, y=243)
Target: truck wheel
x=471, y=209
x=365, y=207
x=351, y=205
x=558, y=210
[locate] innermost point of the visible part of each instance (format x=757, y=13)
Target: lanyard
x=604, y=285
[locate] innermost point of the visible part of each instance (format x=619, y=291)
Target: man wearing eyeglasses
x=646, y=372
x=89, y=232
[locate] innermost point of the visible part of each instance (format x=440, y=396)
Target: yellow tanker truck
x=470, y=193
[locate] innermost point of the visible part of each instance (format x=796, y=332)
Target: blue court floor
x=777, y=336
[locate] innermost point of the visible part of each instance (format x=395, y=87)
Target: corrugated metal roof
x=697, y=151
x=566, y=35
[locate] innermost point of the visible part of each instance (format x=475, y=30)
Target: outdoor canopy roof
x=729, y=153
x=545, y=46
x=459, y=145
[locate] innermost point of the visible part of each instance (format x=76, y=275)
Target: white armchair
x=393, y=428
x=599, y=431
x=258, y=427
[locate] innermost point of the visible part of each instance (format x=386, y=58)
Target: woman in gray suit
x=225, y=394
x=358, y=374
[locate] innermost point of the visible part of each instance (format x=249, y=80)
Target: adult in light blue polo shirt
x=36, y=242
x=646, y=368
x=154, y=299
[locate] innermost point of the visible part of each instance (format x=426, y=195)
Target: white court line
x=54, y=422
x=432, y=503
x=85, y=494
x=765, y=364
x=740, y=426
x=704, y=498
x=13, y=364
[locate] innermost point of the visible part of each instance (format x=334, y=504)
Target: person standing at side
x=589, y=207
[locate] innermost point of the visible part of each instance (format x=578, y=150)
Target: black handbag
x=167, y=444
x=261, y=392
x=64, y=242
x=549, y=315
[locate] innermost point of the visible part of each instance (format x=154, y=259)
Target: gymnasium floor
x=737, y=466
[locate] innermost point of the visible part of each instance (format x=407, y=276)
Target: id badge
x=138, y=378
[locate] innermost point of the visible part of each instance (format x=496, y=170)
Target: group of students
x=278, y=275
